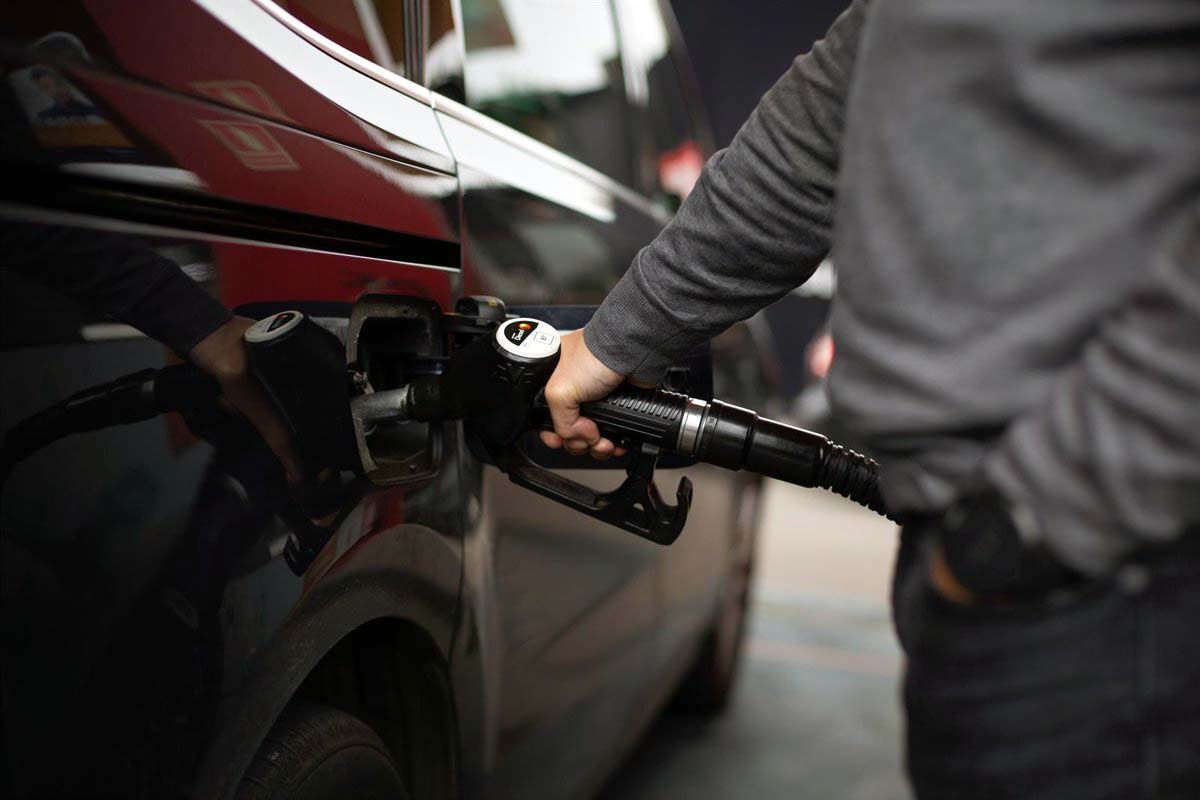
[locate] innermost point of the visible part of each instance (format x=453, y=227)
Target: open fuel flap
x=391, y=340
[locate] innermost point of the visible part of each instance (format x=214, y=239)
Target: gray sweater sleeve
x=756, y=225
x=1111, y=459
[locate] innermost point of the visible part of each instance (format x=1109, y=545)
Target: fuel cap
x=527, y=340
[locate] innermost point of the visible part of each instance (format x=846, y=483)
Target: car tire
x=708, y=686
x=314, y=752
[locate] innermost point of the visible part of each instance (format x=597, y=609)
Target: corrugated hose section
x=853, y=476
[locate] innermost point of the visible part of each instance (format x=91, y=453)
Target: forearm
x=1111, y=459
x=117, y=276
x=756, y=225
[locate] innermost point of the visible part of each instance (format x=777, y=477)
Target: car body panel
x=408, y=572
x=158, y=593
x=152, y=620
x=266, y=68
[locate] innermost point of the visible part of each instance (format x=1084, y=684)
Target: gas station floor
x=816, y=714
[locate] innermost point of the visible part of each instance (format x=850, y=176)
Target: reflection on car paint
x=313, y=71
x=252, y=144
x=161, y=579
x=241, y=94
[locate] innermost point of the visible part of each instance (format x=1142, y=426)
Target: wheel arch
x=389, y=674
x=398, y=589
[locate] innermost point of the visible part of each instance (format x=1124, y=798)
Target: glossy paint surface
x=146, y=602
x=267, y=69
x=143, y=589
x=150, y=622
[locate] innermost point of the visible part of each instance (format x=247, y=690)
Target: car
x=456, y=636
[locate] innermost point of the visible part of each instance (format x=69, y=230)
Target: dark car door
x=545, y=155
x=138, y=588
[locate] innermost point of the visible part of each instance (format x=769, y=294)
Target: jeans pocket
x=926, y=619
x=1015, y=608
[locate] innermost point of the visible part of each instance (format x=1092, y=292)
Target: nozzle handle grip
x=635, y=414
x=630, y=414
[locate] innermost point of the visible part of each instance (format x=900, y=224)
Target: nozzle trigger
x=635, y=505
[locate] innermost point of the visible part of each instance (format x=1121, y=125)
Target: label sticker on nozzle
x=528, y=338
x=273, y=326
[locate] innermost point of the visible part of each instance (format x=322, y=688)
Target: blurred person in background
x=129, y=282
x=1011, y=192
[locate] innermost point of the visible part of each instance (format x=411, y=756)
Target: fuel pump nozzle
x=495, y=385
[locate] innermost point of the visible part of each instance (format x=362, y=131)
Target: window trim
x=463, y=113
x=351, y=59
x=543, y=151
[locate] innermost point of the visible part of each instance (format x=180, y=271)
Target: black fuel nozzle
x=735, y=438
x=302, y=369
x=495, y=383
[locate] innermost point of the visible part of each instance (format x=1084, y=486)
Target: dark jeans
x=1094, y=696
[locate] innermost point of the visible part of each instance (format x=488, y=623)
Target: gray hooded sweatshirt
x=1009, y=190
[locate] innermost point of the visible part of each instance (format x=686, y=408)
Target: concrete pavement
x=817, y=710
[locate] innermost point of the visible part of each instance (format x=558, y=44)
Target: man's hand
x=578, y=378
x=222, y=354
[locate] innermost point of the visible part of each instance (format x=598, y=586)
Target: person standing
x=1011, y=192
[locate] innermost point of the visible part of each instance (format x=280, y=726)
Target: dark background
x=739, y=48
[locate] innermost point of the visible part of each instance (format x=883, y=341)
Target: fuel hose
x=124, y=401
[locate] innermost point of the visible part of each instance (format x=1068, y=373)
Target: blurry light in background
x=820, y=355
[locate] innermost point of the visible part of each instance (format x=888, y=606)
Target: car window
x=373, y=29
x=670, y=151
x=551, y=69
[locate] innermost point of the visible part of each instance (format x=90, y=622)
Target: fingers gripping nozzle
x=495, y=385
